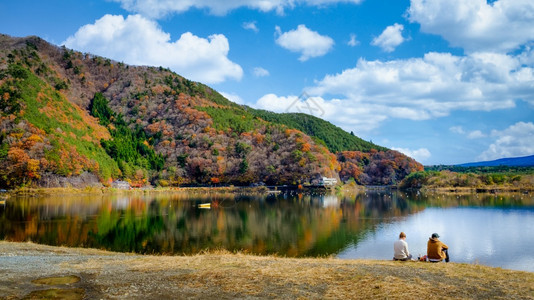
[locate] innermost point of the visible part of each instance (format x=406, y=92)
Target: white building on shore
x=326, y=181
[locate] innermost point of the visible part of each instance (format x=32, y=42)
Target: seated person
x=401, y=249
x=436, y=250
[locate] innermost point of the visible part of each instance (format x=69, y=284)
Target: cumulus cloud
x=360, y=119
x=233, y=97
x=361, y=98
x=353, y=41
x=305, y=41
x=457, y=129
x=161, y=8
x=476, y=134
x=139, y=41
x=275, y=103
x=251, y=26
x=390, y=38
x=514, y=141
x=420, y=154
x=477, y=25
x=432, y=86
x=260, y=72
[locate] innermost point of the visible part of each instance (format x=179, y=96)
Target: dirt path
x=37, y=271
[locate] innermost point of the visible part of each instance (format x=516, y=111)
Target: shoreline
x=32, y=269
x=108, y=190
x=347, y=188
x=477, y=190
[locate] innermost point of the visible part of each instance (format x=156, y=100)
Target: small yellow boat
x=204, y=205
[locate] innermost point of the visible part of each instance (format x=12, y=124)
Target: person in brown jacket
x=436, y=250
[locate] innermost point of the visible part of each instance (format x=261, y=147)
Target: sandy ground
x=108, y=275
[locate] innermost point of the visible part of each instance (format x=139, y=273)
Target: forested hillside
x=74, y=118
x=335, y=138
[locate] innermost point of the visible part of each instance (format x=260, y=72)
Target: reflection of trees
x=265, y=225
x=53, y=221
x=129, y=230
x=292, y=225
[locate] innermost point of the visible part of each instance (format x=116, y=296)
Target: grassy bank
x=446, y=180
x=471, y=190
x=98, y=190
x=224, y=275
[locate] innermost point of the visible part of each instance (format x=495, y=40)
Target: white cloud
x=477, y=25
x=390, y=38
x=360, y=119
x=432, y=86
x=161, y=8
x=476, y=134
x=233, y=97
x=305, y=41
x=353, y=41
x=260, y=72
x=274, y=103
x=457, y=129
x=420, y=154
x=251, y=26
x=361, y=98
x=139, y=41
x=516, y=140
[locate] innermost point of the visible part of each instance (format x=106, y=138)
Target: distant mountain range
x=525, y=161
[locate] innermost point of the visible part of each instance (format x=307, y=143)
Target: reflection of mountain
x=300, y=225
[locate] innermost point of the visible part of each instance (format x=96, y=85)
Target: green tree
x=243, y=166
x=101, y=110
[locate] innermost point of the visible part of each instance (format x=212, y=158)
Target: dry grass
x=224, y=275
x=337, y=279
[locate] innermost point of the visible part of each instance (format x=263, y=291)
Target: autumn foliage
x=376, y=167
x=66, y=114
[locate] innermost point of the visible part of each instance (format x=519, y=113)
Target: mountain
x=71, y=118
x=525, y=161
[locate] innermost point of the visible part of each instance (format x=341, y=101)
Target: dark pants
x=446, y=256
x=403, y=259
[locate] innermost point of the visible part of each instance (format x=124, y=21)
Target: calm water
x=486, y=229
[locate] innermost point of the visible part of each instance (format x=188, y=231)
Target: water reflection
x=485, y=228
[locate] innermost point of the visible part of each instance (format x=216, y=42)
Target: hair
x=402, y=235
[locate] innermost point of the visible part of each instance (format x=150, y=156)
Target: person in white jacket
x=401, y=248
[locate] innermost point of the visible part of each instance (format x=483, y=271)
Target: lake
x=495, y=230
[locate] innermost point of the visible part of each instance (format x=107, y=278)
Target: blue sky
x=444, y=81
